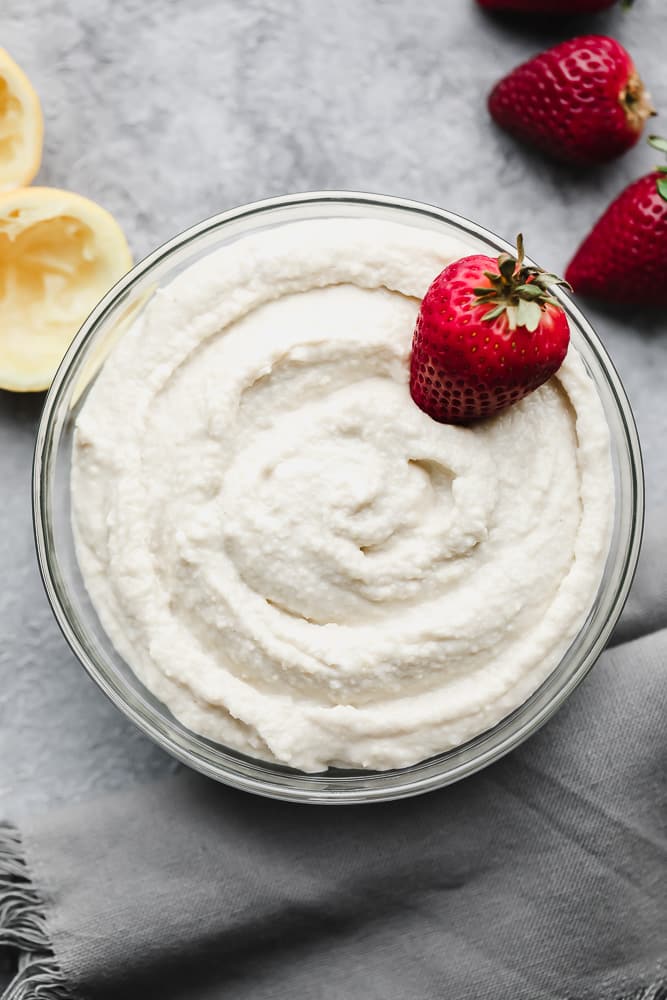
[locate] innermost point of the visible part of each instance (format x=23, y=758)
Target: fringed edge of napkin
x=23, y=927
x=657, y=991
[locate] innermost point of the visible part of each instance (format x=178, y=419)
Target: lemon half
x=59, y=254
x=21, y=126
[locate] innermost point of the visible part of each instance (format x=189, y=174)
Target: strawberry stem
x=659, y=143
x=518, y=290
x=636, y=101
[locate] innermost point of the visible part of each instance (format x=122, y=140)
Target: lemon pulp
x=59, y=253
x=21, y=126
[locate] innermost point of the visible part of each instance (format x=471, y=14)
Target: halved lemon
x=21, y=126
x=59, y=254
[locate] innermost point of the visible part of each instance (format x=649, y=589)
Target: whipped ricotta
x=294, y=558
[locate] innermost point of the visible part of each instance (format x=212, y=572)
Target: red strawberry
x=487, y=334
x=581, y=101
x=623, y=257
x=549, y=6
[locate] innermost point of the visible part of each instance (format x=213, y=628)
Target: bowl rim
x=304, y=787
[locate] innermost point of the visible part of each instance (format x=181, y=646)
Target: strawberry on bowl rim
x=488, y=333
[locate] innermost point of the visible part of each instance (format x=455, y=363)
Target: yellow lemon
x=21, y=126
x=59, y=254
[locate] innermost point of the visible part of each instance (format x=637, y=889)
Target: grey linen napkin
x=545, y=876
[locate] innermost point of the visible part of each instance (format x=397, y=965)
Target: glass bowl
x=79, y=623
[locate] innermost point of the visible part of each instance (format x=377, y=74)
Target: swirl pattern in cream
x=289, y=553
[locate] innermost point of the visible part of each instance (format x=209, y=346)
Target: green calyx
x=519, y=290
x=660, y=144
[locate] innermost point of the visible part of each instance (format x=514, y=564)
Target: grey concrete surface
x=167, y=111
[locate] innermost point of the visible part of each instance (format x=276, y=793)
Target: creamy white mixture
x=292, y=556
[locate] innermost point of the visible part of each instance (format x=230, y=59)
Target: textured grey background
x=167, y=112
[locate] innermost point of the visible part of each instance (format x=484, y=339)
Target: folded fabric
x=544, y=876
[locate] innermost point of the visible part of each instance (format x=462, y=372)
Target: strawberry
x=581, y=101
x=549, y=6
x=623, y=257
x=488, y=333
